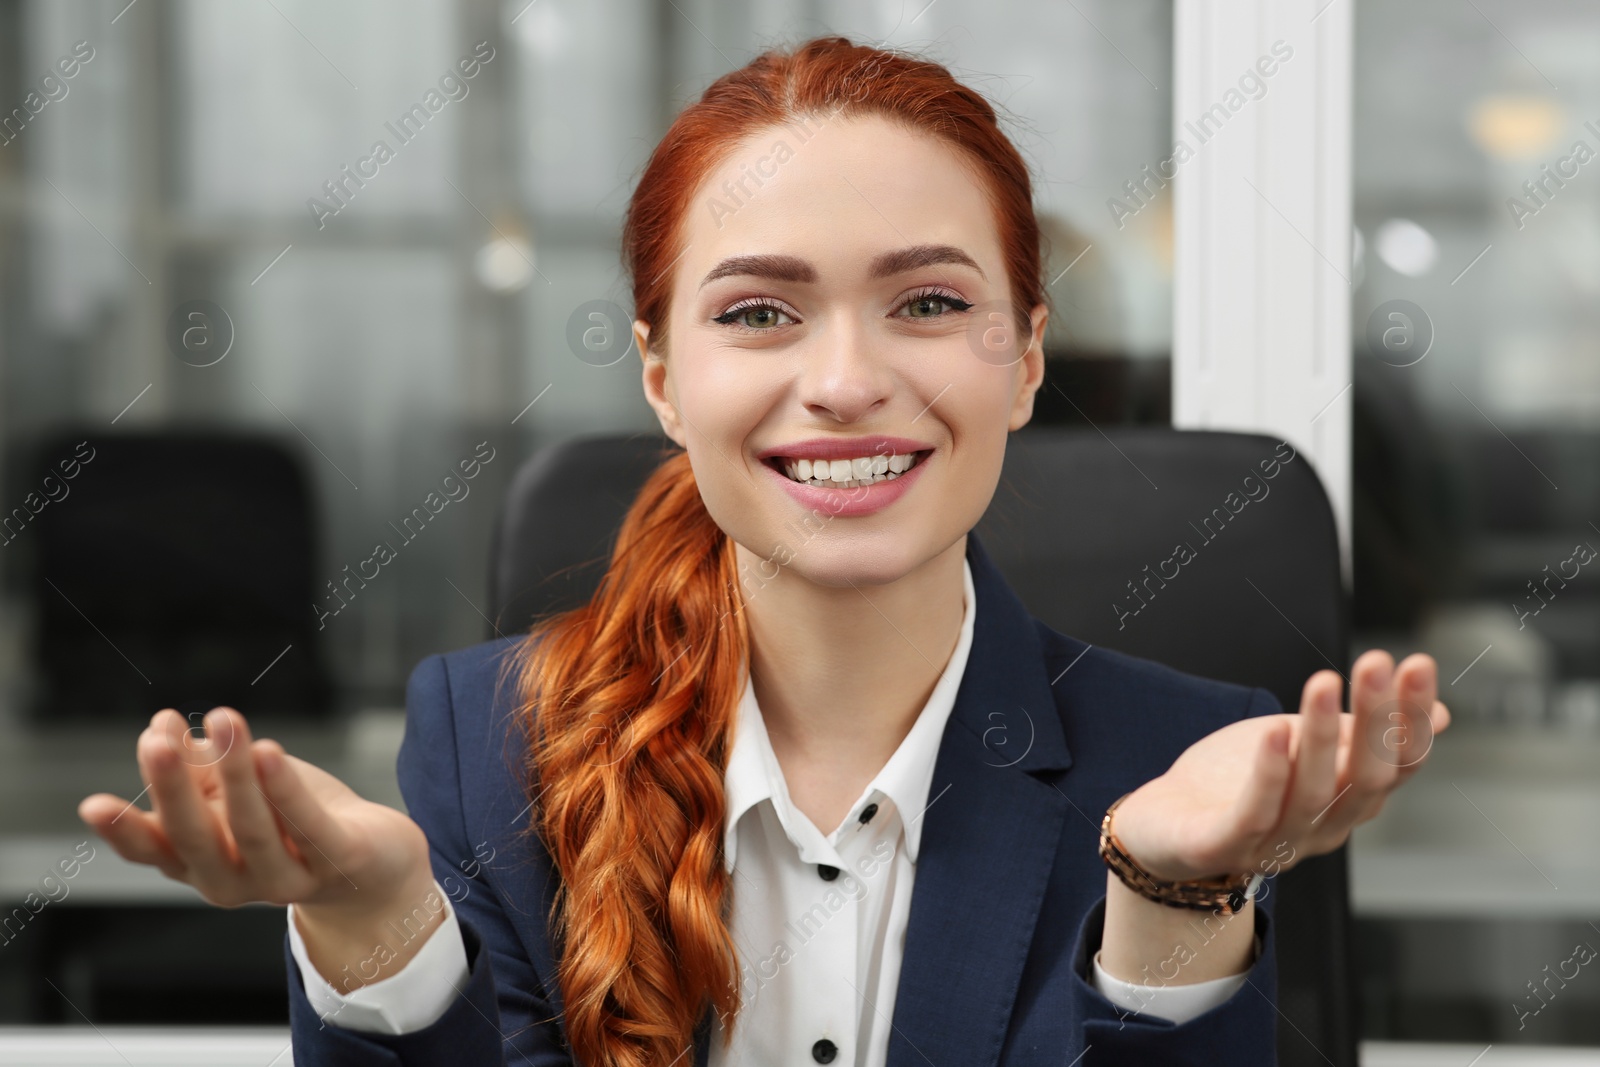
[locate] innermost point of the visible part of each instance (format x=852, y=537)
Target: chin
x=859, y=560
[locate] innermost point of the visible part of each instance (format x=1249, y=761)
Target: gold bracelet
x=1225, y=892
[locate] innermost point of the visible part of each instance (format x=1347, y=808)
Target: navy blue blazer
x=1006, y=910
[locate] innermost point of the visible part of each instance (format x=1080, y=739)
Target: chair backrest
x=172, y=568
x=1215, y=553
x=558, y=522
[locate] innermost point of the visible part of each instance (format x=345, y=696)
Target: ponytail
x=629, y=703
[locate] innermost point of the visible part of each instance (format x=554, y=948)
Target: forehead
x=837, y=192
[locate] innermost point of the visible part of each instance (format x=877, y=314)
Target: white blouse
x=819, y=920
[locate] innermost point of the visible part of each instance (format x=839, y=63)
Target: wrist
x=369, y=937
x=1205, y=893
x=1152, y=944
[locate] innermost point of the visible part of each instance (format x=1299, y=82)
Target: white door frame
x=1261, y=219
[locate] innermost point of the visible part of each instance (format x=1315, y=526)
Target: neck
x=841, y=672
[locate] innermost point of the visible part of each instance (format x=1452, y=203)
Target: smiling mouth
x=847, y=473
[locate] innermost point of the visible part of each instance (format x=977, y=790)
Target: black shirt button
x=828, y=874
x=868, y=812
x=824, y=1051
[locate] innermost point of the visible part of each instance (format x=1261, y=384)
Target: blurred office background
x=1477, y=503
x=295, y=382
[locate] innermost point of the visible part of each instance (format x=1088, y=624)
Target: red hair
x=629, y=701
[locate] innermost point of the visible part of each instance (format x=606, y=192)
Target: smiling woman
x=846, y=354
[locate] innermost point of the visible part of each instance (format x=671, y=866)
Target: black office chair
x=173, y=567
x=1077, y=517
x=177, y=569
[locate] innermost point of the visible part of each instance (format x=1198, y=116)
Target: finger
x=1417, y=688
x=196, y=835
x=256, y=836
x=132, y=833
x=1440, y=717
x=1376, y=807
x=317, y=834
x=1378, y=724
x=1371, y=676
x=1371, y=681
x=1315, y=772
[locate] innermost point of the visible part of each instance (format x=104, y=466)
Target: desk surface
x=121, y=1046
x=126, y=1046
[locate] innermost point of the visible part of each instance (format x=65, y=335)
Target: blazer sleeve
x=501, y=1015
x=1242, y=1030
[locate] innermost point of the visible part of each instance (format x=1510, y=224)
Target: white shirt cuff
x=413, y=998
x=1177, y=1003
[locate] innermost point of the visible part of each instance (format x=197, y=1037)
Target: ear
x=1032, y=364
x=657, y=387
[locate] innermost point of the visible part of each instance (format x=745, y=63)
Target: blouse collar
x=754, y=775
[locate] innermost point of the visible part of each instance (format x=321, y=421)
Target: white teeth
x=846, y=473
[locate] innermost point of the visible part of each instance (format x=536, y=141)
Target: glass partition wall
x=349, y=242
x=1476, y=434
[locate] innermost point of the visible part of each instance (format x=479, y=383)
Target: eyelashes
x=733, y=318
x=955, y=302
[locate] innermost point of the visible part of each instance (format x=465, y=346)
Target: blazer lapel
x=988, y=843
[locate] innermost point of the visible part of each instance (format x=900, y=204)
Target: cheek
x=722, y=399
x=977, y=407
x=718, y=394
x=975, y=410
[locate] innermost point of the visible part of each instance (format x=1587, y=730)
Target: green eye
x=927, y=305
x=751, y=318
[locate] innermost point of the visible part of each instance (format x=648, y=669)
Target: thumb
x=316, y=833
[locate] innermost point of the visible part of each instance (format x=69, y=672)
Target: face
x=841, y=309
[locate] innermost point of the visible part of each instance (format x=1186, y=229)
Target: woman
x=696, y=819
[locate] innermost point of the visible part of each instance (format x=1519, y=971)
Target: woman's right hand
x=243, y=821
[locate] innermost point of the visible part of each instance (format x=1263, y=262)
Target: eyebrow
x=886, y=264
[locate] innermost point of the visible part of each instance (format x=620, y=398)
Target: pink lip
x=846, y=448
x=857, y=500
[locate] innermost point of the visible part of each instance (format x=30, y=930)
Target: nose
x=845, y=377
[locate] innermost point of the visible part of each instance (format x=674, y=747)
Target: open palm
x=244, y=821
x=1262, y=793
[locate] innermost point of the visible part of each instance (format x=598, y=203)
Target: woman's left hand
x=1261, y=794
